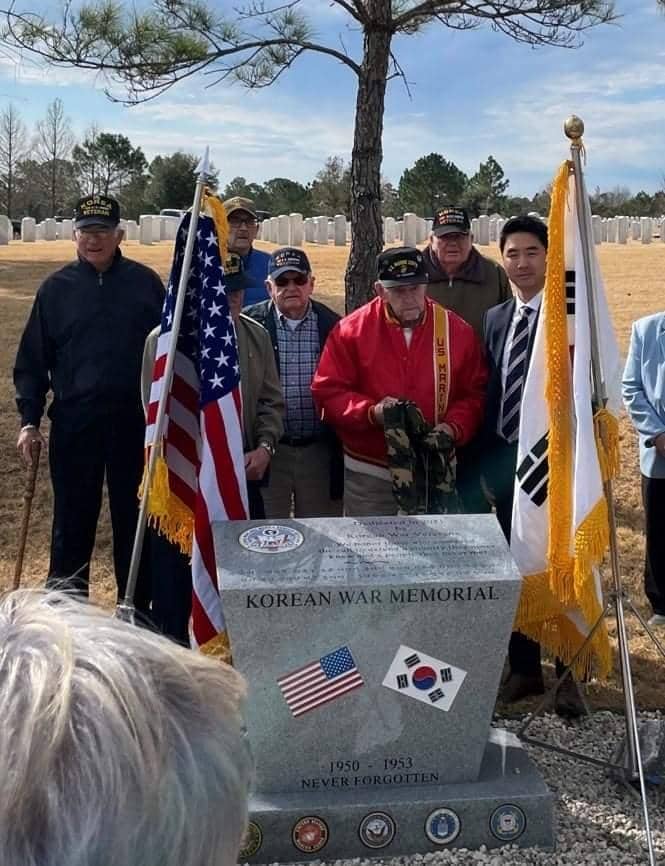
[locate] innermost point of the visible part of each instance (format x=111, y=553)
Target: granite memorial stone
x=373, y=650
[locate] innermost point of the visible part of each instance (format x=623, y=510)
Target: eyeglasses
x=283, y=281
x=236, y=222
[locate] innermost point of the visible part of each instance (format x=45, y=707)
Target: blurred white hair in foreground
x=117, y=747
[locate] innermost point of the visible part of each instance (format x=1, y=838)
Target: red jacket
x=366, y=358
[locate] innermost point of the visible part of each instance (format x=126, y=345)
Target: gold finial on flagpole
x=574, y=128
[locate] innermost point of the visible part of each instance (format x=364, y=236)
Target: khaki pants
x=300, y=483
x=367, y=496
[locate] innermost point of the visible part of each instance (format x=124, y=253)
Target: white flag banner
x=560, y=528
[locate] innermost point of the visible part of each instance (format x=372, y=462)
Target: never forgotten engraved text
x=407, y=595
x=357, y=775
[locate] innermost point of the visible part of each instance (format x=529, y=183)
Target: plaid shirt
x=299, y=351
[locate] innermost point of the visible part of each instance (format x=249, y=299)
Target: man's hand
x=446, y=428
x=26, y=439
x=380, y=406
x=256, y=463
x=659, y=444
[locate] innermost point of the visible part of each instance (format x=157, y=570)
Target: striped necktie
x=517, y=366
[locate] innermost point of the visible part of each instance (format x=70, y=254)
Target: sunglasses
x=283, y=281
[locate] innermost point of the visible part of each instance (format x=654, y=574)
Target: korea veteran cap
x=235, y=278
x=238, y=202
x=401, y=266
x=96, y=210
x=451, y=220
x=288, y=259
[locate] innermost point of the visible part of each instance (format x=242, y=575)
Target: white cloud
x=25, y=70
x=244, y=137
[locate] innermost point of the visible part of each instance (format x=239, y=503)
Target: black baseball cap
x=401, y=266
x=235, y=278
x=451, y=220
x=288, y=259
x=96, y=210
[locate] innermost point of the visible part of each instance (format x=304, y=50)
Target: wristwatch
x=269, y=448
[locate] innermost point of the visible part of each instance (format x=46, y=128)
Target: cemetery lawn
x=634, y=282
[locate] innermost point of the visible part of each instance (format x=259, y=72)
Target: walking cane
x=28, y=494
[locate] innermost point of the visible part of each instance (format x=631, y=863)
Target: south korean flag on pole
x=424, y=678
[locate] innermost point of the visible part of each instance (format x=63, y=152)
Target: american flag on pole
x=200, y=475
x=321, y=681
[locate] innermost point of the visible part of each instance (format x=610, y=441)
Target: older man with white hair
x=84, y=342
x=117, y=747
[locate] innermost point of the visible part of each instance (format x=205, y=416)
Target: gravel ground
x=598, y=821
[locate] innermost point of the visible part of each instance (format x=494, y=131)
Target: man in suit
x=306, y=473
x=644, y=396
x=509, y=330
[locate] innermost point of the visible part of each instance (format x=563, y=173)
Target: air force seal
x=271, y=539
x=377, y=830
x=442, y=826
x=508, y=822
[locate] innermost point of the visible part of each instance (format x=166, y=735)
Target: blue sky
x=472, y=94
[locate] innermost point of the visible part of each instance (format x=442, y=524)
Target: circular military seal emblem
x=310, y=834
x=508, y=822
x=377, y=830
x=271, y=539
x=251, y=842
x=442, y=826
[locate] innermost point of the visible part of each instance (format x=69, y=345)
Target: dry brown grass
x=634, y=279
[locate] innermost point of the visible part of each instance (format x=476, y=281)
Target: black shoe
x=568, y=701
x=519, y=686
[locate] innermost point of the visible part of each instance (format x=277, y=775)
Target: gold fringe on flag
x=569, y=582
x=213, y=206
x=558, y=397
x=218, y=647
x=166, y=512
x=606, y=427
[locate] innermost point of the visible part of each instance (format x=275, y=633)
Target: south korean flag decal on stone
x=419, y=676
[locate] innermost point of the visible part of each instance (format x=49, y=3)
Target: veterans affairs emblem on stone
x=442, y=826
x=508, y=822
x=319, y=682
x=251, y=842
x=271, y=539
x=310, y=834
x=377, y=830
x=424, y=678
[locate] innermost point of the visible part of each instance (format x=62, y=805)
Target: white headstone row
x=293, y=229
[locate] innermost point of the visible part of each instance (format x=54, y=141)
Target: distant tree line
x=432, y=182
x=44, y=171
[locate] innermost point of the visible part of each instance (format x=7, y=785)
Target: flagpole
x=574, y=129
x=126, y=609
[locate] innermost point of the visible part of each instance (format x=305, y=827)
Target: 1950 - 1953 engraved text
x=393, y=770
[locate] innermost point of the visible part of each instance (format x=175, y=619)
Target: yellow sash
x=441, y=363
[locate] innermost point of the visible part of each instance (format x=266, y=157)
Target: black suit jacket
x=499, y=456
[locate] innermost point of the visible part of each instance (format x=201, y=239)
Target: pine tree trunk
x=366, y=158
